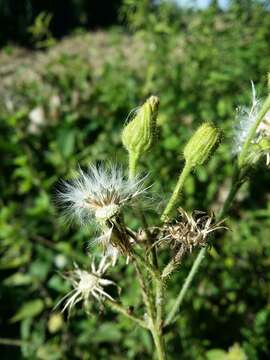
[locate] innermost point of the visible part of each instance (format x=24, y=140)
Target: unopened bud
x=202, y=144
x=139, y=134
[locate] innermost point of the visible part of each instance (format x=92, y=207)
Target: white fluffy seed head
x=99, y=193
x=245, y=118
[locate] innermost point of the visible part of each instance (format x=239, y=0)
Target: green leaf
x=30, y=309
x=18, y=279
x=66, y=141
x=107, y=332
x=216, y=354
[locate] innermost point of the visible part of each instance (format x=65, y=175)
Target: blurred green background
x=70, y=74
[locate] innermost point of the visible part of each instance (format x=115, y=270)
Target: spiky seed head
x=86, y=284
x=139, y=134
x=188, y=231
x=184, y=234
x=202, y=144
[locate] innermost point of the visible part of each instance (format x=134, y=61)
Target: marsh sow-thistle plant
x=102, y=194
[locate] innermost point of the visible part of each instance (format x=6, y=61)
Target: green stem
x=251, y=134
x=147, y=265
x=146, y=295
x=133, y=162
x=176, y=193
x=159, y=302
x=12, y=342
x=152, y=268
x=153, y=259
x=120, y=309
x=185, y=287
x=159, y=343
x=154, y=325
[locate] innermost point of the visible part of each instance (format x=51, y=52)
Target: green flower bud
x=202, y=144
x=139, y=134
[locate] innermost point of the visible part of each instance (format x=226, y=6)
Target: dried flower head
x=184, y=234
x=115, y=243
x=188, y=231
x=99, y=193
x=86, y=284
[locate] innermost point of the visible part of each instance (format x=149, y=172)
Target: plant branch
x=122, y=310
x=133, y=162
x=185, y=287
x=177, y=191
x=11, y=342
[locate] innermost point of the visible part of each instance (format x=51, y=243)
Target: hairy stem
x=176, y=193
x=159, y=302
x=154, y=313
x=147, y=297
x=146, y=265
x=153, y=259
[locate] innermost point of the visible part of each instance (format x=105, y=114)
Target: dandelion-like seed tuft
x=99, y=194
x=245, y=118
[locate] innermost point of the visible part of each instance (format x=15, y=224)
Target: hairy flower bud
x=202, y=144
x=139, y=134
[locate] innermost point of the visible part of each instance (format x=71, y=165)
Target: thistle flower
x=86, y=284
x=245, y=117
x=99, y=194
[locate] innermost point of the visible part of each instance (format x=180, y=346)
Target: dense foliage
x=17, y=17
x=66, y=110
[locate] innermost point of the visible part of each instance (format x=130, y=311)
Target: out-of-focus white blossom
x=37, y=119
